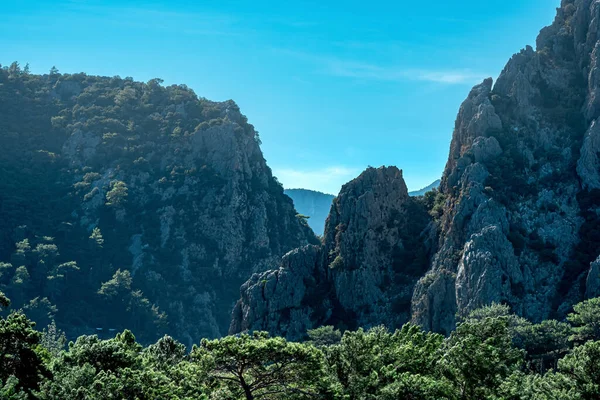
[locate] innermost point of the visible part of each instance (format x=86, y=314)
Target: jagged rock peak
x=380, y=181
x=363, y=273
x=519, y=208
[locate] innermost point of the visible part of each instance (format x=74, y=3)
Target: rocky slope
x=374, y=250
x=520, y=221
x=163, y=200
x=312, y=204
x=517, y=212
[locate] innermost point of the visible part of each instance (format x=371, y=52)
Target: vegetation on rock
x=130, y=205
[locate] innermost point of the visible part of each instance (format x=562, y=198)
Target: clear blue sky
x=332, y=86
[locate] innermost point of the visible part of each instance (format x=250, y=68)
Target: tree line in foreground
x=492, y=354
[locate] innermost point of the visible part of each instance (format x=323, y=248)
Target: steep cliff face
x=312, y=204
x=520, y=222
x=374, y=249
x=143, y=178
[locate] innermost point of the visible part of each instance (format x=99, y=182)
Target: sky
x=331, y=86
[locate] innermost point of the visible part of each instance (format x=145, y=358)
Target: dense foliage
x=493, y=355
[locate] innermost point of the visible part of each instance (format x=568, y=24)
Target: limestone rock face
x=374, y=249
x=276, y=300
x=519, y=222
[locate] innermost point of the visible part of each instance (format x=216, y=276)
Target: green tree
x=118, y=286
x=4, y=301
x=53, y=339
x=166, y=352
x=96, y=238
x=97, y=369
x=12, y=391
x=365, y=362
x=479, y=355
x=545, y=343
x=261, y=367
x=324, y=336
x=40, y=310
x=409, y=386
x=104, y=355
x=129, y=308
x=19, y=357
x=583, y=366
x=23, y=253
x=14, y=71
x=586, y=319
x=117, y=195
x=550, y=386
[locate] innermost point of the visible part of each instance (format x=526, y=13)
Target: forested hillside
x=132, y=205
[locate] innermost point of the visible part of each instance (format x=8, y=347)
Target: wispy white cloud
x=374, y=72
x=327, y=179
x=370, y=71
x=356, y=70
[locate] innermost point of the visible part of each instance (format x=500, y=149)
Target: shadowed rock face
x=520, y=217
x=374, y=249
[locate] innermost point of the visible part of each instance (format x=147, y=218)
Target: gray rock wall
x=523, y=154
x=363, y=273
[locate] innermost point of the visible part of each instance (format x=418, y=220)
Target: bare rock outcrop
x=519, y=223
x=374, y=249
x=516, y=219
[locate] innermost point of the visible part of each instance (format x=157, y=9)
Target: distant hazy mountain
x=421, y=192
x=313, y=204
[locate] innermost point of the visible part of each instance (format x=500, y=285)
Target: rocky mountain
x=316, y=205
x=374, y=250
x=520, y=222
x=426, y=189
x=313, y=204
x=516, y=214
x=132, y=205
